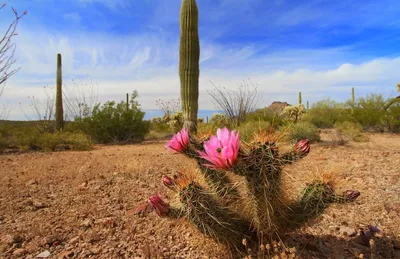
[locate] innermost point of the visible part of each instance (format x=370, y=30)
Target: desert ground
x=79, y=204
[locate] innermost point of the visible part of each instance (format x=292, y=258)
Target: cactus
x=352, y=100
x=300, y=100
x=262, y=214
x=308, y=105
x=189, y=54
x=59, y=104
x=127, y=101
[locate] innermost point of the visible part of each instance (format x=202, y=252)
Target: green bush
x=352, y=130
x=175, y=121
x=113, y=122
x=265, y=115
x=304, y=130
x=325, y=113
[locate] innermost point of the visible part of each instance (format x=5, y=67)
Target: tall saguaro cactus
x=189, y=55
x=59, y=104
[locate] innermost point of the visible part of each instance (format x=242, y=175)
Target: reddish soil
x=77, y=204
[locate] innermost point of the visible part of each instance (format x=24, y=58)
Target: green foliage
x=376, y=113
x=352, y=130
x=175, y=121
x=325, y=113
x=31, y=137
x=112, y=122
x=304, y=130
x=219, y=120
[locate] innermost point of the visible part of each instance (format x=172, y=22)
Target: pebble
x=19, y=252
x=44, y=254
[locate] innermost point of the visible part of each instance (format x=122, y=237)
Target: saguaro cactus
x=308, y=105
x=352, y=100
x=127, y=101
x=189, y=53
x=300, y=101
x=59, y=104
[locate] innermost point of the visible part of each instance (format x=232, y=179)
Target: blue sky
x=321, y=48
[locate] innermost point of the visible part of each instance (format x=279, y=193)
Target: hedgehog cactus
x=203, y=210
x=260, y=165
x=189, y=54
x=59, y=104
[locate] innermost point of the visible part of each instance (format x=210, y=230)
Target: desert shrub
x=304, y=130
x=325, y=113
x=219, y=120
x=351, y=130
x=175, y=121
x=392, y=119
x=26, y=139
x=112, y=122
x=369, y=112
x=249, y=128
x=265, y=115
x=4, y=143
x=157, y=135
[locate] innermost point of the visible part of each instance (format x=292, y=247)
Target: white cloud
x=149, y=64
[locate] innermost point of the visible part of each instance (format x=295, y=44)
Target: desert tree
x=7, y=60
x=7, y=50
x=79, y=99
x=236, y=104
x=168, y=107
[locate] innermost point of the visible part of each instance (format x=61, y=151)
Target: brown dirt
x=77, y=204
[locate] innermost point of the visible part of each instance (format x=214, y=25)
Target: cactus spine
x=59, y=104
x=189, y=54
x=300, y=101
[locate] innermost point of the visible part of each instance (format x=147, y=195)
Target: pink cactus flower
x=179, y=142
x=221, y=150
x=168, y=182
x=159, y=205
x=302, y=147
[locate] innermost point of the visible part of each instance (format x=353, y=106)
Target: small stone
x=44, y=254
x=19, y=252
x=65, y=254
x=74, y=240
x=50, y=240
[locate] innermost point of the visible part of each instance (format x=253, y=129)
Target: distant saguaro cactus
x=308, y=105
x=300, y=98
x=189, y=54
x=127, y=101
x=59, y=104
x=352, y=100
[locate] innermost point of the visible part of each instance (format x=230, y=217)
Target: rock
x=19, y=252
x=65, y=254
x=11, y=239
x=44, y=254
x=86, y=223
x=73, y=240
x=347, y=231
x=50, y=240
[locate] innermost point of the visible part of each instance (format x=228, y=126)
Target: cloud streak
x=282, y=46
